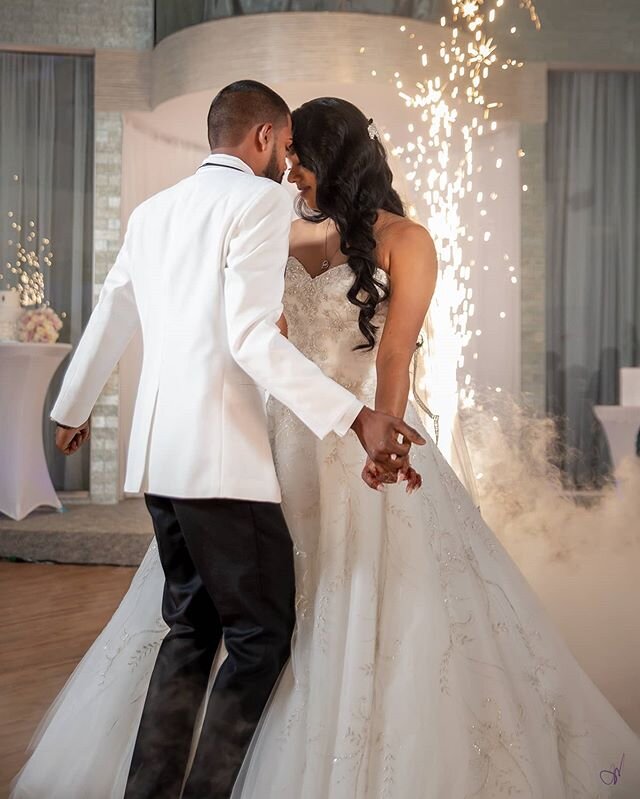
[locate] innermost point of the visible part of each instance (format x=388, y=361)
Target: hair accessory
x=373, y=130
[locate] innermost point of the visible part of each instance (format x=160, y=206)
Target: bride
x=423, y=665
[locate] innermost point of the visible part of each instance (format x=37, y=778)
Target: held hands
x=70, y=439
x=388, y=457
x=376, y=477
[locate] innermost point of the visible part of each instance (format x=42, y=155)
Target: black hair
x=354, y=181
x=239, y=107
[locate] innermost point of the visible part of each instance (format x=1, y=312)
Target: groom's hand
x=378, y=433
x=70, y=439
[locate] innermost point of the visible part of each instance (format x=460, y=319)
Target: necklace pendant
x=324, y=265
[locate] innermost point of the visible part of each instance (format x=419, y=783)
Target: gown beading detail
x=423, y=665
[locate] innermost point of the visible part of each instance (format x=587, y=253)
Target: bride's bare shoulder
x=392, y=228
x=399, y=236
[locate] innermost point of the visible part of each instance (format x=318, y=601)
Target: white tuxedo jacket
x=201, y=273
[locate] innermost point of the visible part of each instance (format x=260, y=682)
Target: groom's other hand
x=378, y=433
x=70, y=439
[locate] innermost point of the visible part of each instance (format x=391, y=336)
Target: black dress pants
x=228, y=568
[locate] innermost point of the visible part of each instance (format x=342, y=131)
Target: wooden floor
x=50, y=615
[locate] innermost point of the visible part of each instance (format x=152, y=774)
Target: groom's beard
x=272, y=171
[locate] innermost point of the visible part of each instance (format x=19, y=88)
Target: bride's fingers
x=414, y=481
x=409, y=487
x=371, y=478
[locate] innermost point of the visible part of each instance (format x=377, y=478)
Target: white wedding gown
x=423, y=665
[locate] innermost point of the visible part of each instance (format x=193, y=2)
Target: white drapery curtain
x=46, y=177
x=593, y=281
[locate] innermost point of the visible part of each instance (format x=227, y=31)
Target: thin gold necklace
x=326, y=263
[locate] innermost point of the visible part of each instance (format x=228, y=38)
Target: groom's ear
x=264, y=136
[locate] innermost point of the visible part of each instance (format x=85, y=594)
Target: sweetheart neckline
x=312, y=279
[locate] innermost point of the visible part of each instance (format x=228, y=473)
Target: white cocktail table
x=25, y=373
x=621, y=424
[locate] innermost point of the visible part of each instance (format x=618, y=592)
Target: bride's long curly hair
x=354, y=181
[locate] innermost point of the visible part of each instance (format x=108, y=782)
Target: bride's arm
x=413, y=270
x=283, y=326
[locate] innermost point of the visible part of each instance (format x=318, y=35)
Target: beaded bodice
x=323, y=325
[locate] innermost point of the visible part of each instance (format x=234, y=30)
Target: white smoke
x=522, y=493
x=581, y=555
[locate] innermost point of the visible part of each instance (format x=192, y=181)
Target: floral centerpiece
x=39, y=326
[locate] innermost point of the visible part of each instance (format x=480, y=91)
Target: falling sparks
x=482, y=53
x=533, y=14
x=452, y=110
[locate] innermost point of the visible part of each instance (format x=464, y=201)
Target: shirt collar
x=228, y=160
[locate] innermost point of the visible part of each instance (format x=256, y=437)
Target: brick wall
x=105, y=477
x=94, y=24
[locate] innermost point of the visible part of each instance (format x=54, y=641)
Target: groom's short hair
x=239, y=107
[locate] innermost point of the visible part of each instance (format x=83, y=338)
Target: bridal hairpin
x=373, y=130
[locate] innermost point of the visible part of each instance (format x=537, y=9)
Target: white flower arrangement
x=39, y=326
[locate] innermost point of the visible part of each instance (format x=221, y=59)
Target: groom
x=201, y=275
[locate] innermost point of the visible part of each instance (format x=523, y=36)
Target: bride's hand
x=414, y=480
x=377, y=477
